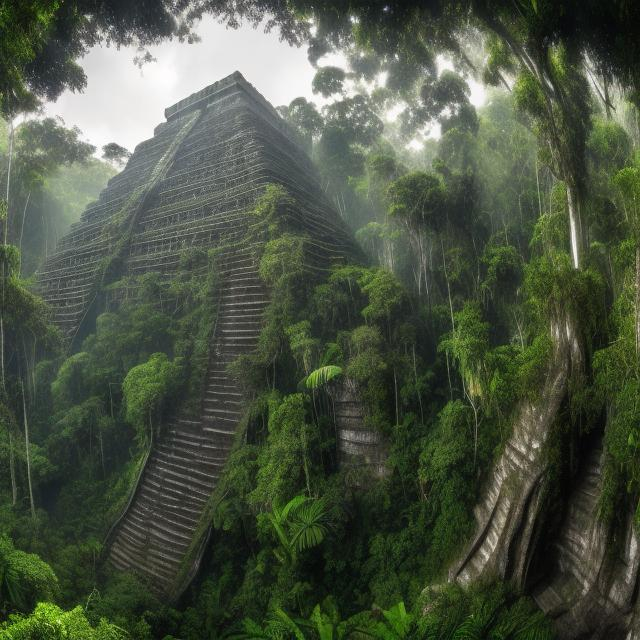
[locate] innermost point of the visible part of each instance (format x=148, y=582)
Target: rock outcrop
x=191, y=185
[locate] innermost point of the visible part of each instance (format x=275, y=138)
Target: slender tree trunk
x=3, y=275
x=415, y=377
x=34, y=345
x=12, y=462
x=24, y=215
x=446, y=355
x=519, y=328
x=425, y=261
x=101, y=450
x=305, y=461
x=446, y=277
x=607, y=97
x=4, y=266
x=12, y=471
x=28, y=454
x=538, y=188
x=637, y=299
x=46, y=235
x=575, y=226
x=10, y=161
x=395, y=392
x=111, y=398
x=2, y=372
x=475, y=426
x=453, y=324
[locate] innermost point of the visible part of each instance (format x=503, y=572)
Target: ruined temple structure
x=360, y=448
x=190, y=185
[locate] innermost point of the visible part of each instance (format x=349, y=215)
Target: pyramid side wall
x=68, y=279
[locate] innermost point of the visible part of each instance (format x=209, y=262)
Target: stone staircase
x=167, y=511
x=190, y=187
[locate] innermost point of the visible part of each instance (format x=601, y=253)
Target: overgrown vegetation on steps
x=98, y=408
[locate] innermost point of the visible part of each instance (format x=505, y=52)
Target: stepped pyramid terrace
x=190, y=186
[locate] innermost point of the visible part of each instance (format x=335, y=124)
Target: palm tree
x=301, y=524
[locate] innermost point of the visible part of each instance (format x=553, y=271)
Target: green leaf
x=321, y=376
x=289, y=623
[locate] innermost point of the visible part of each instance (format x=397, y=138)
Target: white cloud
x=123, y=104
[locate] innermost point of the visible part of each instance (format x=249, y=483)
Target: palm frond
x=473, y=628
x=321, y=376
x=309, y=525
x=292, y=505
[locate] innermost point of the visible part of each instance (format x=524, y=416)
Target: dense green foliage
x=451, y=613
x=480, y=246
x=48, y=178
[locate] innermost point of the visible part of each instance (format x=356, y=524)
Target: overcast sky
x=123, y=104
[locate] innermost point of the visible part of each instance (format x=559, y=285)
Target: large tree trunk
x=508, y=516
x=591, y=591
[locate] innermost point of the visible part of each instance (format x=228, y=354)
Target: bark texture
x=590, y=587
x=507, y=516
x=591, y=590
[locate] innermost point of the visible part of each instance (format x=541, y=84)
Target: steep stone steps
x=160, y=524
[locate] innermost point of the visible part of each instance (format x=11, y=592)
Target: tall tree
x=40, y=149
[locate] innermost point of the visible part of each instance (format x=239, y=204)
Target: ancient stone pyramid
x=189, y=186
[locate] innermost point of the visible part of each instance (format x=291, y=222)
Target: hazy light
x=123, y=104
